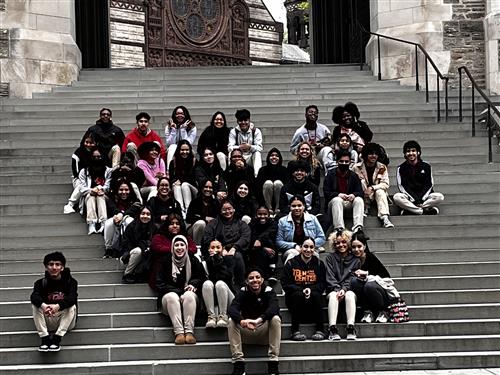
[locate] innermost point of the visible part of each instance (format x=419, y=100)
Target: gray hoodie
x=339, y=271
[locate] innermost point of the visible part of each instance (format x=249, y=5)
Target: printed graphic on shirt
x=304, y=276
x=55, y=297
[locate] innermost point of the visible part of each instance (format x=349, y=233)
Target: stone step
x=438, y=255
x=162, y=351
x=294, y=364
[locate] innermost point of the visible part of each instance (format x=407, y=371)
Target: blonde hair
x=345, y=234
x=313, y=162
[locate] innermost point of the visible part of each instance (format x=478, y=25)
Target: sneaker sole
x=54, y=350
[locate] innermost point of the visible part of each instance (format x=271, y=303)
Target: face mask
x=343, y=167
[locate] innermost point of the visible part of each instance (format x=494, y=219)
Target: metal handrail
x=491, y=106
x=428, y=58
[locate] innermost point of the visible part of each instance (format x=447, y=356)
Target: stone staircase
x=446, y=266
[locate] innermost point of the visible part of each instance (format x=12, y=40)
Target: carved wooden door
x=197, y=33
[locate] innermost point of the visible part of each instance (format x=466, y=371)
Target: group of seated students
x=190, y=225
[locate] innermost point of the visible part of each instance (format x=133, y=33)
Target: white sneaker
x=68, y=209
x=211, y=322
x=381, y=318
x=386, y=222
x=367, y=318
x=92, y=229
x=223, y=321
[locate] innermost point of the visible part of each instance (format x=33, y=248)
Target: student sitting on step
x=416, y=186
x=140, y=134
x=370, y=295
x=358, y=126
x=181, y=174
x=244, y=202
x=303, y=282
x=220, y=283
x=128, y=170
x=179, y=127
x=345, y=123
x=344, y=143
x=237, y=170
x=179, y=281
x=209, y=168
x=306, y=153
x=153, y=167
x=270, y=180
x=54, y=302
x=216, y=137
x=79, y=160
x=163, y=204
x=95, y=181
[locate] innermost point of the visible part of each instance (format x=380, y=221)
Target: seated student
x=244, y=202
x=220, y=283
x=340, y=266
x=300, y=185
x=208, y=168
x=374, y=178
x=306, y=153
x=262, y=253
x=233, y=233
x=122, y=207
x=128, y=170
x=179, y=127
x=153, y=167
x=345, y=122
x=342, y=190
x=416, y=186
x=136, y=242
x=344, y=143
x=203, y=209
x=255, y=319
x=140, y=134
x=271, y=177
x=181, y=173
x=54, y=302
x=179, y=281
x=295, y=227
x=163, y=204
x=216, y=137
x=108, y=137
x=358, y=126
x=94, y=184
x=247, y=138
x=79, y=160
x=303, y=282
x=237, y=170
x=369, y=293
x=161, y=242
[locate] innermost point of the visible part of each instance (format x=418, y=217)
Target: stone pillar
x=492, y=43
x=37, y=46
x=414, y=20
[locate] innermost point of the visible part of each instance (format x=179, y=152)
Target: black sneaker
x=239, y=368
x=333, y=333
x=128, y=279
x=351, y=332
x=55, y=346
x=45, y=344
x=431, y=211
x=273, y=368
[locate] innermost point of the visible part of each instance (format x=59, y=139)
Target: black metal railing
x=491, y=107
x=428, y=59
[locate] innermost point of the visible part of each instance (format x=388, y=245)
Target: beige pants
x=337, y=206
x=134, y=260
x=269, y=333
x=403, y=201
x=270, y=190
x=61, y=323
x=196, y=231
x=181, y=310
x=115, y=155
x=224, y=296
x=96, y=208
x=380, y=197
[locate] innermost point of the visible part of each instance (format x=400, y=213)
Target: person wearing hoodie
x=262, y=253
x=301, y=185
x=179, y=283
x=209, y=168
x=79, y=160
x=108, y=137
x=272, y=177
x=238, y=170
x=215, y=137
x=179, y=127
x=247, y=138
x=54, y=302
x=140, y=134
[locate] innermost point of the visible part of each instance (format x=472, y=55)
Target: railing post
x=490, y=135
x=438, y=99
x=473, y=113
x=378, y=48
x=417, y=86
x=360, y=48
x=426, y=82
x=446, y=99
x=460, y=116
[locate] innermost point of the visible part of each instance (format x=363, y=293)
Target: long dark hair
x=361, y=237
x=187, y=116
x=215, y=166
x=181, y=165
x=132, y=197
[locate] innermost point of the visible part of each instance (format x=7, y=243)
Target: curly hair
x=312, y=160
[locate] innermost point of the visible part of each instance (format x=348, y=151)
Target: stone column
x=492, y=42
x=37, y=46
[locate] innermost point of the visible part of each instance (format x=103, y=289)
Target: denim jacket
x=312, y=228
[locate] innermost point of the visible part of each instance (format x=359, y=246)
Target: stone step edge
x=153, y=363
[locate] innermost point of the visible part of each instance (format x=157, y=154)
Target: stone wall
x=37, y=46
x=463, y=36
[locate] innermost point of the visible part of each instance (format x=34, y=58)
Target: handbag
x=397, y=311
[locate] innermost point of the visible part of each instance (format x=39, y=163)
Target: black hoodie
x=81, y=157
x=272, y=172
x=64, y=291
x=107, y=135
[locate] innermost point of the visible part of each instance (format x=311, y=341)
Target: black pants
x=239, y=270
x=371, y=296
x=305, y=310
x=258, y=257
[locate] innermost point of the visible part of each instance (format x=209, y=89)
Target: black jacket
x=198, y=211
x=220, y=268
x=235, y=233
x=330, y=186
x=416, y=181
x=64, y=292
x=374, y=266
x=305, y=188
x=137, y=234
x=215, y=138
x=232, y=176
x=247, y=305
x=265, y=233
x=298, y=275
x=159, y=208
x=107, y=135
x=203, y=172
